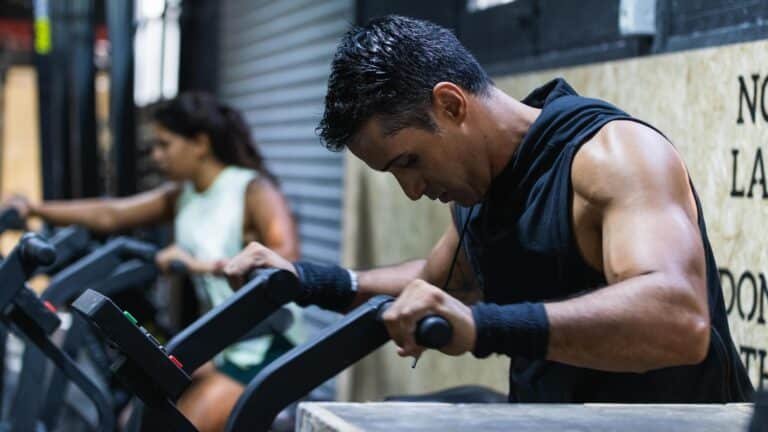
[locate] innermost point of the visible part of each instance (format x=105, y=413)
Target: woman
x=220, y=197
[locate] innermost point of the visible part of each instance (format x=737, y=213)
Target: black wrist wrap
x=326, y=286
x=520, y=329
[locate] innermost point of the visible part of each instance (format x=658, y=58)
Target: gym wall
x=710, y=103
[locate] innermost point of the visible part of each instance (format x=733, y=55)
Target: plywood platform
x=405, y=417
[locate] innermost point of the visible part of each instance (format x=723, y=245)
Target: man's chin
x=466, y=201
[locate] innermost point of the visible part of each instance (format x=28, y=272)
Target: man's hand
x=254, y=256
x=418, y=300
x=172, y=253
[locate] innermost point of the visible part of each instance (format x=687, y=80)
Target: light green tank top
x=209, y=225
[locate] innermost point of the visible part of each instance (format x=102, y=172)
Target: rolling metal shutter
x=274, y=63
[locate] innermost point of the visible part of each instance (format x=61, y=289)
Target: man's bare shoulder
x=627, y=160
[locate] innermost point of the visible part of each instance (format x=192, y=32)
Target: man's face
x=436, y=164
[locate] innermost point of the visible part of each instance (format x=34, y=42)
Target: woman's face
x=177, y=156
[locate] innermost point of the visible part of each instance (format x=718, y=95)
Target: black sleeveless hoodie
x=522, y=249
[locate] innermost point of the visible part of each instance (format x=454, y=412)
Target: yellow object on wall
x=20, y=170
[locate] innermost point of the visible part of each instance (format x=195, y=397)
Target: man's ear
x=449, y=103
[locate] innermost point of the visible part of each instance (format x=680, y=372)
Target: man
x=577, y=224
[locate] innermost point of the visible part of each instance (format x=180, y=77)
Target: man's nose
x=413, y=186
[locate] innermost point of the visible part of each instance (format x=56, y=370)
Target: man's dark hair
x=388, y=69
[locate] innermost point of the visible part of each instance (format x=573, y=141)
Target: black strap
x=458, y=248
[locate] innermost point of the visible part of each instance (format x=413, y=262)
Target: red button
x=49, y=306
x=176, y=362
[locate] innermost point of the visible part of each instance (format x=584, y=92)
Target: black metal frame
x=110, y=263
x=23, y=312
x=67, y=103
x=529, y=35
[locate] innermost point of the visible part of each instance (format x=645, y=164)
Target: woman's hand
x=165, y=257
x=20, y=203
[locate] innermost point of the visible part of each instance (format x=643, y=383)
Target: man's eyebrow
x=386, y=167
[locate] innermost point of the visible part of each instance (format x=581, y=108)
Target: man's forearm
x=388, y=280
x=646, y=322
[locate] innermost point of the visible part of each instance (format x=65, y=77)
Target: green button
x=130, y=317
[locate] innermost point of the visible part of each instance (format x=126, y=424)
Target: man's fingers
x=238, y=268
x=400, y=324
x=414, y=351
x=410, y=351
x=417, y=301
x=393, y=329
x=407, y=329
x=393, y=321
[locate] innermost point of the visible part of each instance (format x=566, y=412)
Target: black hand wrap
x=326, y=286
x=520, y=329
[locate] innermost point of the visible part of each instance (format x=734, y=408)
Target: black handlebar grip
x=178, y=267
x=434, y=332
x=138, y=249
x=35, y=250
x=10, y=218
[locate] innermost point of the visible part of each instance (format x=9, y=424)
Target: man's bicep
x=655, y=238
x=463, y=284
